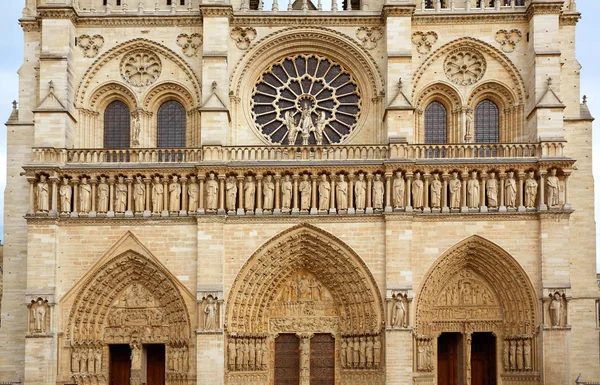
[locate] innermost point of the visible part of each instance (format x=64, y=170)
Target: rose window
x=141, y=68
x=306, y=99
x=464, y=67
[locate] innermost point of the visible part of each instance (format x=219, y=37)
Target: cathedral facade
x=312, y=192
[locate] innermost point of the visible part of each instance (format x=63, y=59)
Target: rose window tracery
x=464, y=67
x=306, y=99
x=141, y=68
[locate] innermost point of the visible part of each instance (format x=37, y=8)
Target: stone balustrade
x=460, y=6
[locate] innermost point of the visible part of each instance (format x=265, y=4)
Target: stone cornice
x=49, y=12
x=570, y=18
x=398, y=10
x=216, y=10
x=30, y=25
x=139, y=21
x=470, y=18
x=287, y=19
x=554, y=8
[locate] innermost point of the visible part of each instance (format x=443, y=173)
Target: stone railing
x=393, y=151
x=460, y=6
x=581, y=381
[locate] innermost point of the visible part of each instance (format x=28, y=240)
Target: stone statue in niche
x=292, y=130
x=436, y=192
x=174, y=195
x=136, y=357
x=324, y=193
x=306, y=124
x=399, y=314
x=473, y=191
x=343, y=355
x=230, y=193
x=65, y=193
x=341, y=193
x=98, y=360
x=139, y=195
x=553, y=188
x=417, y=191
x=527, y=353
x=249, y=193
x=398, y=187
x=157, y=195
x=286, y=193
x=360, y=192
x=39, y=316
x=85, y=195
x=376, y=351
x=510, y=190
x=378, y=191
x=103, y=195
x=91, y=358
x=120, y=195
x=505, y=356
x=268, y=193
x=193, y=191
x=212, y=193
x=454, y=186
x=42, y=195
x=519, y=355
x=210, y=313
x=556, y=309
x=363, y=352
x=491, y=186
x=305, y=193
x=320, y=127
x=137, y=129
x=75, y=360
x=231, y=353
x=531, y=188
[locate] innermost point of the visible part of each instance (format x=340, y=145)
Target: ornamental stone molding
x=243, y=36
x=464, y=67
x=141, y=68
x=189, y=43
x=424, y=40
x=90, y=45
x=509, y=39
x=369, y=36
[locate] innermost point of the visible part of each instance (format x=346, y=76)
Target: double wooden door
x=451, y=358
x=287, y=360
x=120, y=364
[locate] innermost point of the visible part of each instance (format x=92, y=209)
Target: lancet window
x=435, y=123
x=117, y=123
x=486, y=122
x=171, y=124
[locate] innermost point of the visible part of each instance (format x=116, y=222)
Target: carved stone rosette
x=141, y=68
x=464, y=67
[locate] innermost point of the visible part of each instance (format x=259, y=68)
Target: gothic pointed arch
x=304, y=248
x=476, y=285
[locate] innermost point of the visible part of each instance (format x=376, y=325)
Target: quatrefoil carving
x=243, y=36
x=424, y=41
x=509, y=39
x=369, y=36
x=90, y=44
x=189, y=43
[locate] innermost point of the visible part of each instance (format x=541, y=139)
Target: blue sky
x=11, y=46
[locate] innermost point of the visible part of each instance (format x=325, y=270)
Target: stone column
x=128, y=209
x=93, y=182
x=445, y=208
x=148, y=211
x=314, y=209
x=463, y=195
x=201, y=179
x=54, y=203
x=520, y=198
x=482, y=207
x=165, y=212
x=369, y=202
x=259, y=195
x=388, y=192
x=567, y=205
x=111, y=198
x=277, y=209
x=295, y=206
x=332, y=206
x=240, y=210
x=351, y=209
x=408, y=192
x=304, y=358
x=184, y=197
x=31, y=181
x=468, y=338
x=221, y=209
x=75, y=212
x=426, y=208
x=502, y=207
x=542, y=192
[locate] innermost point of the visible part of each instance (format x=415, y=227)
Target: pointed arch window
x=487, y=122
x=171, y=124
x=436, y=123
x=117, y=125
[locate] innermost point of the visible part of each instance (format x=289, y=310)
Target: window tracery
x=306, y=99
x=117, y=123
x=171, y=125
x=436, y=123
x=486, y=122
x=464, y=67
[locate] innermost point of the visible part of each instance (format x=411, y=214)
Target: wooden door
x=155, y=358
x=448, y=353
x=120, y=364
x=483, y=359
x=287, y=360
x=322, y=360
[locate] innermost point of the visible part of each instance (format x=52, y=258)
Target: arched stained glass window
x=117, y=125
x=171, y=124
x=436, y=123
x=486, y=122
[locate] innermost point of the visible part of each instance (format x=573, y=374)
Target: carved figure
x=286, y=193
x=210, y=313
x=139, y=196
x=454, y=186
x=369, y=352
x=398, y=190
x=356, y=353
x=421, y=356
x=137, y=129
x=324, y=193
x=42, y=194
x=519, y=355
x=98, y=360
x=65, y=196
x=75, y=360
x=212, y=192
x=491, y=186
x=259, y=355
x=343, y=354
x=83, y=357
x=264, y=354
x=305, y=193
x=436, y=191
x=531, y=188
x=91, y=360
x=252, y=354
x=376, y=352
x=363, y=352
x=350, y=353
x=103, y=195
x=245, y=354
x=341, y=193
x=157, y=195
x=193, y=191
x=417, y=191
x=320, y=127
x=38, y=313
x=268, y=193
x=513, y=352
x=136, y=357
x=292, y=130
x=527, y=354
x=553, y=185
x=360, y=192
x=306, y=123
x=510, y=193
x=174, y=195
x=378, y=191
x=249, y=193
x=120, y=195
x=231, y=193
x=473, y=191
x=505, y=356
x=556, y=310
x=398, y=313
x=85, y=195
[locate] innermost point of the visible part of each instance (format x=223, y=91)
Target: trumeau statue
x=120, y=195
x=398, y=190
x=193, y=191
x=378, y=191
x=103, y=195
x=157, y=196
x=286, y=193
x=65, y=196
x=531, y=188
x=360, y=191
x=473, y=191
x=492, y=190
x=212, y=193
x=552, y=184
x=85, y=195
x=231, y=193
x=174, y=195
x=305, y=193
x=341, y=193
x=42, y=195
x=436, y=191
x=249, y=193
x=324, y=193
x=139, y=196
x=454, y=186
x=417, y=191
x=510, y=187
x=268, y=193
